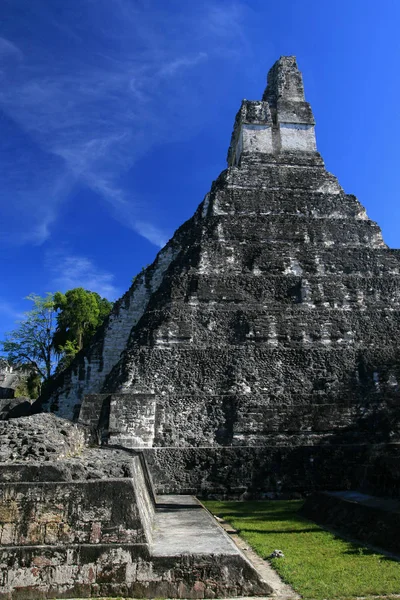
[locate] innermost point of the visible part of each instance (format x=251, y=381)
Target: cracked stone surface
x=40, y=438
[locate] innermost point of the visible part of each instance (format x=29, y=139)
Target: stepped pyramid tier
x=265, y=330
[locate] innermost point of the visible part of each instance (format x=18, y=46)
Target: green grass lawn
x=317, y=564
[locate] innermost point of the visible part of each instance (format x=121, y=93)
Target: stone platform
x=89, y=525
x=189, y=556
x=369, y=519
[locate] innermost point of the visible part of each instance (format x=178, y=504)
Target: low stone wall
x=381, y=474
x=93, y=537
x=368, y=521
x=102, y=511
x=125, y=570
x=231, y=472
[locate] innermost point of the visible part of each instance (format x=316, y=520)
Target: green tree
x=29, y=385
x=80, y=314
x=66, y=353
x=31, y=343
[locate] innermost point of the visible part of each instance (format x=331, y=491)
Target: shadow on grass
x=261, y=509
x=259, y=505
x=294, y=519
x=276, y=531
x=364, y=551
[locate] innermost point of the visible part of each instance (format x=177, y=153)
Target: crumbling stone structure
x=77, y=521
x=11, y=380
x=11, y=377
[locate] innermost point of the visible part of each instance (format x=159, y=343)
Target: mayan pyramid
x=262, y=343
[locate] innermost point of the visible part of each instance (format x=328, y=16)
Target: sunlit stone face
x=257, y=138
x=297, y=137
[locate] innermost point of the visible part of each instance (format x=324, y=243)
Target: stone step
x=267, y=259
x=182, y=525
x=281, y=467
x=272, y=229
x=293, y=286
x=306, y=324
x=300, y=203
x=282, y=177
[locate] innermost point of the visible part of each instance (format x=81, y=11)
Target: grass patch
x=317, y=564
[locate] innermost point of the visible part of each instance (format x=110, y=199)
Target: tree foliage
x=29, y=386
x=31, y=343
x=56, y=328
x=81, y=313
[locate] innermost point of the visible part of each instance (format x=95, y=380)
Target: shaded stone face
x=270, y=318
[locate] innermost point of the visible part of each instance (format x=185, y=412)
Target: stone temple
x=260, y=349
x=258, y=355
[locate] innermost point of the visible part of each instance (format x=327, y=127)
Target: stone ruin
x=7, y=380
x=11, y=379
x=12, y=376
x=79, y=521
x=256, y=357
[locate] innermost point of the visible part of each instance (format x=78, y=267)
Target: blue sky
x=116, y=116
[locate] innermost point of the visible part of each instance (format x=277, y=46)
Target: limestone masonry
x=257, y=356
x=267, y=326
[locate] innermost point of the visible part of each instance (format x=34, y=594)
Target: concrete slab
x=183, y=526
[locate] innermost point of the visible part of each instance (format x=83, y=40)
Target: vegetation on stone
x=51, y=333
x=81, y=312
x=31, y=343
x=18, y=381
x=29, y=385
x=317, y=564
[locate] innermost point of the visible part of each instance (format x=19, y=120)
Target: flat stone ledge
x=368, y=519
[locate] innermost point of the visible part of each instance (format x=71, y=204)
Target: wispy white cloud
x=36, y=234
x=97, y=115
x=184, y=62
x=155, y=235
x=123, y=212
x=32, y=206
x=70, y=271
